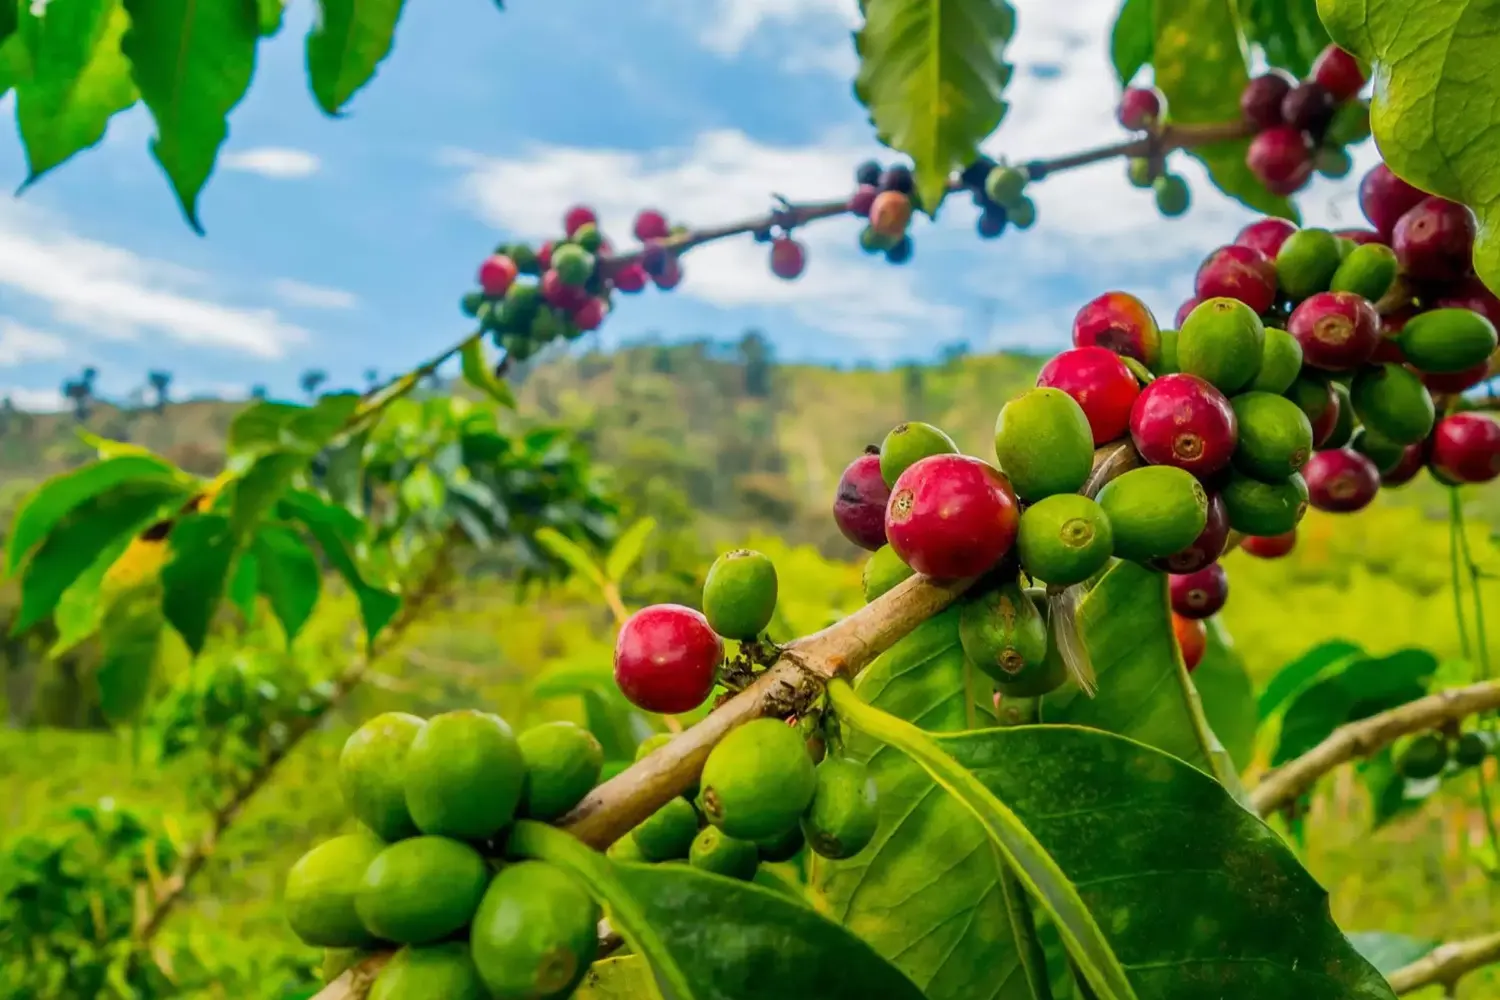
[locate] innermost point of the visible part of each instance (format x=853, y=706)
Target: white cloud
x=34, y=400
x=723, y=175
x=810, y=36
x=299, y=293
x=107, y=291
x=274, y=162
x=20, y=344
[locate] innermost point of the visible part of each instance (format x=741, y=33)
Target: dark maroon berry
x=1434, y=240
x=859, y=506
x=1472, y=294
x=666, y=658
x=1240, y=273
x=1339, y=73
x=1281, y=158
x=1340, y=481
x=1200, y=594
x=1184, y=421
x=1185, y=310
x=1455, y=382
x=1384, y=198
x=1413, y=457
x=788, y=258
x=651, y=225
x=1309, y=107
x=951, y=516
x=1338, y=331
x=991, y=222
x=1140, y=107
x=1266, y=235
x=867, y=172
x=1260, y=101
x=862, y=199
x=631, y=278
x=1207, y=547
x=1466, y=448
x=897, y=178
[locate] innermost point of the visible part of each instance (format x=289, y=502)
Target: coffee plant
x=998, y=777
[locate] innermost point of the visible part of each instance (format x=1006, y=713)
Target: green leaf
x=130, y=638
x=55, y=499
x=1201, y=68
x=1363, y=688
x=627, y=549
x=79, y=80
x=80, y=609
x=1389, y=952
x=245, y=583
x=1287, y=31
x=192, y=62
x=271, y=14
x=930, y=861
x=1228, y=696
x=1189, y=893
x=624, y=978
x=345, y=476
x=289, y=576
x=348, y=43
x=1436, y=95
x=202, y=548
x=335, y=530
x=480, y=373
x=15, y=61
x=931, y=74
x=1144, y=689
x=1133, y=38
x=1297, y=674
x=571, y=553
x=707, y=937
x=76, y=542
x=256, y=492
x=10, y=19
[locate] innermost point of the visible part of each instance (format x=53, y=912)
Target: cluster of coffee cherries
x=770, y=787
x=1305, y=126
x=1140, y=110
x=886, y=198
x=425, y=870
x=530, y=296
x=1429, y=755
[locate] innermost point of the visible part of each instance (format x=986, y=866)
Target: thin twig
x=1446, y=964
x=1286, y=784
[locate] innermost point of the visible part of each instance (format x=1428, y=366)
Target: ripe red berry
x=1339, y=73
x=1207, y=547
x=951, y=516
x=1140, y=107
x=1384, y=198
x=1472, y=294
x=1466, y=448
x=631, y=278
x=1360, y=236
x=1119, y=322
x=577, y=217
x=787, y=258
x=1413, y=457
x=862, y=199
x=1100, y=383
x=1266, y=235
x=1200, y=594
x=670, y=275
x=544, y=255
x=1260, y=101
x=1184, y=421
x=1269, y=546
x=1455, y=382
x=1281, y=159
x=561, y=295
x=1434, y=240
x=1192, y=640
x=859, y=505
x=496, y=275
x=1309, y=108
x=1340, y=481
x=590, y=314
x=1338, y=331
x=1185, y=310
x=651, y=225
x=666, y=657
x=1238, y=272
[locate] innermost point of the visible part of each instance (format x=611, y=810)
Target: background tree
x=160, y=380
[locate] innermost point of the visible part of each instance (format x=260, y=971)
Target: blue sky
x=345, y=244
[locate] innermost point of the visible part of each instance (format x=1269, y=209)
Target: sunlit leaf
x=1133, y=37
x=569, y=552
x=1436, y=91
x=192, y=63
x=480, y=373
x=627, y=549
x=931, y=74
x=258, y=489
x=79, y=79
x=1297, y=674
x=348, y=43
